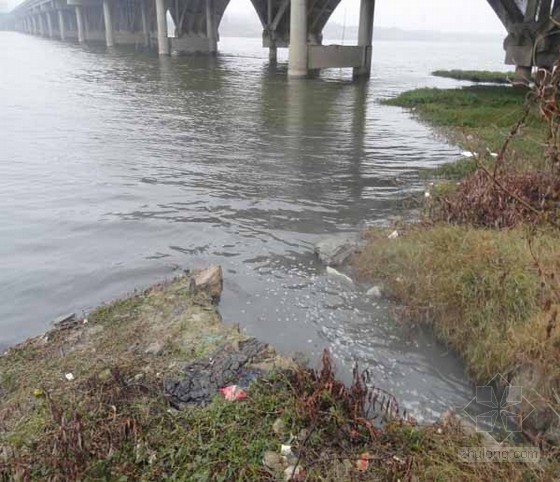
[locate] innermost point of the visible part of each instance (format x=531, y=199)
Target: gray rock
x=66, y=321
x=335, y=250
x=279, y=427
x=333, y=273
x=374, y=292
x=210, y=280
x=273, y=461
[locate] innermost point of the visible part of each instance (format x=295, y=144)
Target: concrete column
x=42, y=28
x=532, y=9
x=61, y=25
x=163, y=40
x=108, y=19
x=145, y=29
x=365, y=36
x=273, y=54
x=272, y=49
x=523, y=75
x=80, y=24
x=33, y=25
x=49, y=24
x=211, y=31
x=87, y=25
x=297, y=61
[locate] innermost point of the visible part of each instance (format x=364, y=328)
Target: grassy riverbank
x=482, y=268
x=478, y=119
x=480, y=76
x=87, y=401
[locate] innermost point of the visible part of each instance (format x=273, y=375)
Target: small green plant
x=452, y=170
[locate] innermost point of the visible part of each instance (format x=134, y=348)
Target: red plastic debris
x=233, y=392
x=363, y=462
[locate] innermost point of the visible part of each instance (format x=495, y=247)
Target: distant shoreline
x=336, y=32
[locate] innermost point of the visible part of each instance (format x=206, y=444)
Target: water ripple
x=119, y=167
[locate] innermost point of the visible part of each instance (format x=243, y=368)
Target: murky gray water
x=118, y=168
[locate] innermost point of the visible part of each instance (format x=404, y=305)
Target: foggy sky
x=443, y=15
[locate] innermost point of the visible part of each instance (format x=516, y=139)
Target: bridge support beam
x=163, y=39
x=80, y=24
x=61, y=26
x=49, y=24
x=145, y=28
x=523, y=75
x=298, y=56
x=273, y=54
x=211, y=30
x=272, y=47
x=42, y=27
x=365, y=36
x=108, y=21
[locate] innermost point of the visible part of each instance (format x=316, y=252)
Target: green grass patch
x=118, y=433
x=480, y=76
x=485, y=295
x=452, y=170
x=478, y=118
x=479, y=288
x=113, y=422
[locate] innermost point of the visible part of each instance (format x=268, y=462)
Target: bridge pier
x=532, y=28
x=365, y=37
x=42, y=28
x=211, y=30
x=61, y=25
x=298, y=55
x=49, y=24
x=272, y=47
x=80, y=24
x=108, y=21
x=162, y=36
x=523, y=75
x=273, y=54
x=145, y=27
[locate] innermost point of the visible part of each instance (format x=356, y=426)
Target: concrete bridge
x=532, y=25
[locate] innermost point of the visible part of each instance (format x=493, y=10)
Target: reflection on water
x=120, y=168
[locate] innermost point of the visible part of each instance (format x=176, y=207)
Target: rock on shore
x=336, y=250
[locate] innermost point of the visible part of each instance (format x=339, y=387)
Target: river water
x=120, y=168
